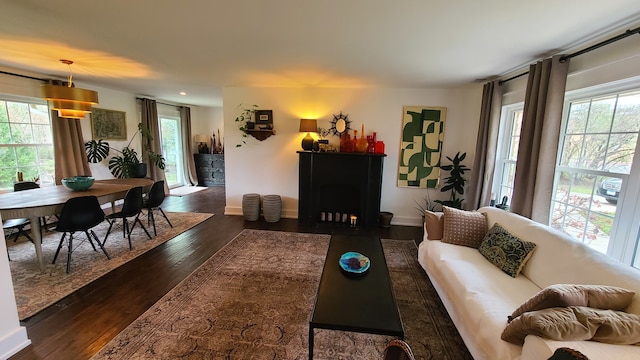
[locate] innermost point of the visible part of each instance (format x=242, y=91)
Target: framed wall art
x=264, y=117
x=108, y=124
x=421, y=146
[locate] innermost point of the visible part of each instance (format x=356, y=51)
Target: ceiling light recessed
x=183, y=93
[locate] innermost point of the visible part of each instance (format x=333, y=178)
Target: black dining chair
x=79, y=214
x=152, y=203
x=16, y=227
x=131, y=207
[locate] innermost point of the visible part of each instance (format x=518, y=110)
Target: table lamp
x=308, y=126
x=202, y=141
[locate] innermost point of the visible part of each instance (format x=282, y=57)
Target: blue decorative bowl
x=355, y=263
x=78, y=183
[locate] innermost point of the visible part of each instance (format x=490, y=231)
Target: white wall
x=271, y=166
x=13, y=337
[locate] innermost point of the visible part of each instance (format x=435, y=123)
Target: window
x=511, y=123
x=597, y=148
x=26, y=142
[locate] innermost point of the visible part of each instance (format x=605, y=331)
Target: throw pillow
x=466, y=228
x=505, y=250
x=575, y=323
x=565, y=353
x=560, y=295
x=434, y=224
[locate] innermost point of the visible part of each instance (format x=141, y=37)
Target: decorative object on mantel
x=202, y=141
x=308, y=126
x=126, y=164
x=68, y=100
x=361, y=144
x=216, y=143
x=421, y=146
x=454, y=182
x=340, y=124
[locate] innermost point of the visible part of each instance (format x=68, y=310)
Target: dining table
x=49, y=200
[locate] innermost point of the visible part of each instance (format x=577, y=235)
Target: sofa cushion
x=506, y=251
x=434, y=224
x=466, y=228
x=561, y=295
x=575, y=323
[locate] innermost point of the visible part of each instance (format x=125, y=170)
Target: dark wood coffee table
x=362, y=303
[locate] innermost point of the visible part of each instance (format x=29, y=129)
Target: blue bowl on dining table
x=78, y=183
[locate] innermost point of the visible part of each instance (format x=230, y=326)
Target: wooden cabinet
x=209, y=169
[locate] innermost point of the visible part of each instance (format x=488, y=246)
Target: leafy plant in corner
x=245, y=121
x=125, y=164
x=455, y=181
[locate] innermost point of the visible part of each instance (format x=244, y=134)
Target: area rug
x=253, y=300
x=185, y=190
x=36, y=289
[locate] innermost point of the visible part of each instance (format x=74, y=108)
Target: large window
x=596, y=161
x=26, y=143
x=507, y=152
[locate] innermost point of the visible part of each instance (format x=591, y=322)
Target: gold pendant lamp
x=70, y=102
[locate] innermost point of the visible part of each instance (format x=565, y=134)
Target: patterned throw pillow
x=466, y=228
x=506, y=251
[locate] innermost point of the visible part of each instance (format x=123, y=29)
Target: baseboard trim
x=12, y=343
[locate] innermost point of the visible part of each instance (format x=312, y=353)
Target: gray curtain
x=70, y=157
x=533, y=184
x=486, y=146
x=187, y=156
x=150, y=120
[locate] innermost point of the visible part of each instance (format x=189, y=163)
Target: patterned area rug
x=253, y=300
x=35, y=289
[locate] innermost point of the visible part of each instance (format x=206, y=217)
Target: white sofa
x=479, y=296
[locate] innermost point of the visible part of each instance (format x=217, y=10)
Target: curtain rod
x=584, y=51
x=23, y=76
x=159, y=102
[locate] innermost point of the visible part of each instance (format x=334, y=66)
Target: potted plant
x=245, y=121
x=126, y=164
x=455, y=181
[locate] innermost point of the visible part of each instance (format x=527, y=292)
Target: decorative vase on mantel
x=362, y=144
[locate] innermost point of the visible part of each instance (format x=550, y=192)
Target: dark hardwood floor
x=79, y=325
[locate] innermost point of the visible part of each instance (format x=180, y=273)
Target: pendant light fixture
x=69, y=101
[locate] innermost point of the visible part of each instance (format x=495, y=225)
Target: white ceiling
x=161, y=47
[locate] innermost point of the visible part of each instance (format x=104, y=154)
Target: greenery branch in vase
x=455, y=181
x=245, y=122
x=126, y=163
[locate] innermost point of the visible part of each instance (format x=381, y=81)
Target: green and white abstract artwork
x=421, y=146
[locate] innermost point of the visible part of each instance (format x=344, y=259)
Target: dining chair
x=79, y=214
x=17, y=226
x=131, y=207
x=398, y=350
x=28, y=185
x=154, y=199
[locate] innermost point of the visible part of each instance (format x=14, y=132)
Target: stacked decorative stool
x=251, y=206
x=271, y=208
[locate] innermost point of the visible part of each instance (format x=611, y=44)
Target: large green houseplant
x=455, y=181
x=126, y=164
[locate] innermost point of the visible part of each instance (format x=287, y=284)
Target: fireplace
x=334, y=186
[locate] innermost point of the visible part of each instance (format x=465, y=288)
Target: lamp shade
x=201, y=138
x=308, y=125
x=70, y=102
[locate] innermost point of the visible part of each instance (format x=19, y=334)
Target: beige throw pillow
x=434, y=224
x=466, y=228
x=575, y=323
x=561, y=295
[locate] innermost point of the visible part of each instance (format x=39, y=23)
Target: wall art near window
x=108, y=124
x=421, y=146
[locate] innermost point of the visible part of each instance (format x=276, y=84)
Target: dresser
x=209, y=169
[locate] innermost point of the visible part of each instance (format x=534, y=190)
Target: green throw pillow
x=506, y=251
